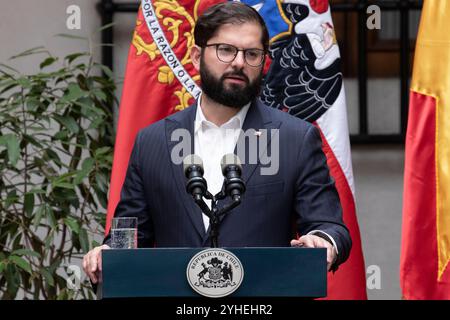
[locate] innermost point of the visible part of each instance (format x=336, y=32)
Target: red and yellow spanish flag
x=425, y=252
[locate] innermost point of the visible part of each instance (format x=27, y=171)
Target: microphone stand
x=214, y=213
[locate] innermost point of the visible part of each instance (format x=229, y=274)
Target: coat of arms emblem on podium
x=215, y=273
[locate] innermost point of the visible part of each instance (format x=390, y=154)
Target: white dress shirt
x=211, y=143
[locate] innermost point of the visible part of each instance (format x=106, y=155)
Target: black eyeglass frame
x=263, y=53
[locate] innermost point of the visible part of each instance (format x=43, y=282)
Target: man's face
x=234, y=83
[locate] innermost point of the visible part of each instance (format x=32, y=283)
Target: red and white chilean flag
x=303, y=78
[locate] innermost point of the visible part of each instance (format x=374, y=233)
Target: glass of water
x=124, y=233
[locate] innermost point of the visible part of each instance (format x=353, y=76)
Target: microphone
x=232, y=170
x=193, y=170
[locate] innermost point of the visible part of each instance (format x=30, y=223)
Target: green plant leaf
x=72, y=223
x=11, y=198
x=106, y=26
x=47, y=62
x=102, y=182
x=95, y=243
x=12, y=279
x=63, y=295
x=12, y=144
x=70, y=36
x=64, y=185
x=13, y=149
x=86, y=168
x=32, y=103
x=21, y=263
x=106, y=70
x=73, y=93
x=52, y=155
x=17, y=243
x=51, y=218
x=102, y=197
x=55, y=264
x=79, y=177
x=48, y=276
x=101, y=151
x=99, y=94
x=88, y=164
x=61, y=135
x=26, y=252
x=32, y=140
x=84, y=242
x=72, y=57
x=65, y=176
x=24, y=82
x=37, y=191
x=96, y=123
x=88, y=108
x=38, y=216
x=28, y=52
x=48, y=242
x=68, y=122
x=29, y=203
x=2, y=266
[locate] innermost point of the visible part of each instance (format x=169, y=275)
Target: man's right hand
x=92, y=263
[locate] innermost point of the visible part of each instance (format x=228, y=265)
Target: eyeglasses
x=227, y=53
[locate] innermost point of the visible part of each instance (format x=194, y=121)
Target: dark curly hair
x=227, y=12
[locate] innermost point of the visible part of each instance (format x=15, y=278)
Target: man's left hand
x=312, y=241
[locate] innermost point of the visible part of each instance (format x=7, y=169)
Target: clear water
x=125, y=238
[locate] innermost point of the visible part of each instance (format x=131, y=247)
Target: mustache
x=238, y=74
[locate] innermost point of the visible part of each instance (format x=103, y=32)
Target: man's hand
x=92, y=263
x=312, y=241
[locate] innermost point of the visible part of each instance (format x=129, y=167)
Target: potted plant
x=56, y=139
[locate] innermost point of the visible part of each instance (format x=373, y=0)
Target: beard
x=233, y=95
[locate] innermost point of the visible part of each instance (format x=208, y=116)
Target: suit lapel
x=185, y=120
x=256, y=119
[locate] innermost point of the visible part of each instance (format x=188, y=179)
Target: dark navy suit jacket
x=299, y=198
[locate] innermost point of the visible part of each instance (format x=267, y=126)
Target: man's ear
x=196, y=53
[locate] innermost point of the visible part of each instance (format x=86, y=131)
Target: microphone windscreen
x=190, y=160
x=230, y=159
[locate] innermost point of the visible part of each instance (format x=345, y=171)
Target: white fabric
x=333, y=125
x=211, y=143
x=314, y=232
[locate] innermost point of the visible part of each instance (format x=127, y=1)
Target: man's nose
x=239, y=61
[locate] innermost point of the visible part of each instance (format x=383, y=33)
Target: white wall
x=25, y=24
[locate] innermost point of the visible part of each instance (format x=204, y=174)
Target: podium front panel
x=161, y=272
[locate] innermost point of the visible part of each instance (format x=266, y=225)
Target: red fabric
x=144, y=99
x=419, y=256
x=319, y=6
x=349, y=281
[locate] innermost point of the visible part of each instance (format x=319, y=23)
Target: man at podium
x=295, y=204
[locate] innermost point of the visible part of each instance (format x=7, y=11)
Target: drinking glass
x=124, y=233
